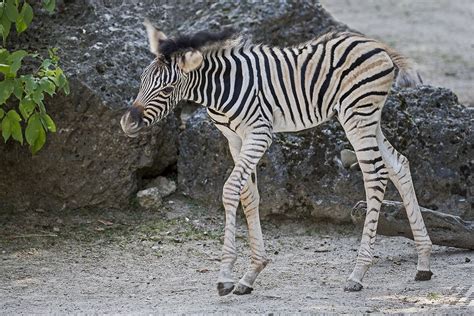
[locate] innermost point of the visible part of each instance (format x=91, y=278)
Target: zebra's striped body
x=252, y=91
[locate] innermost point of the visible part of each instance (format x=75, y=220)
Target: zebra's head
x=161, y=82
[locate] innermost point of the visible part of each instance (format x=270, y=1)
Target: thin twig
x=35, y=235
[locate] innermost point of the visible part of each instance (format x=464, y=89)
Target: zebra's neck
x=223, y=76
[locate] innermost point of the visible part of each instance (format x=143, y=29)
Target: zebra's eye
x=167, y=90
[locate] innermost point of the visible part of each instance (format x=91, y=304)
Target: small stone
x=149, y=198
x=348, y=158
x=467, y=260
x=164, y=185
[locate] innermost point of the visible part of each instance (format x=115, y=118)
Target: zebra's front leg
x=253, y=147
x=250, y=200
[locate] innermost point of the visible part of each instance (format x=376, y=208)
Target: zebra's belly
x=284, y=123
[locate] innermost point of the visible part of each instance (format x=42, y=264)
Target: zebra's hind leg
x=362, y=135
x=250, y=200
x=399, y=173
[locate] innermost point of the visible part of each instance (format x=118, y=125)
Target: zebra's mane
x=201, y=40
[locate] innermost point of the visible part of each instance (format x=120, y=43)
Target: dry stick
x=444, y=229
x=35, y=235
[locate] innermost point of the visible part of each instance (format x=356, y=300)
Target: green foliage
x=26, y=90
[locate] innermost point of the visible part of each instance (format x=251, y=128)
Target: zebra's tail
x=407, y=76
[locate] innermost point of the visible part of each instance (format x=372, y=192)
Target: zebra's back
x=306, y=84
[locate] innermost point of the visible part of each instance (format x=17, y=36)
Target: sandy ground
x=437, y=34
x=141, y=262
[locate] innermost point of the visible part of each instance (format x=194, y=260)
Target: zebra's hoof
x=224, y=288
x=352, y=286
x=242, y=289
x=423, y=275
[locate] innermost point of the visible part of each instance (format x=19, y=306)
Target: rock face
x=103, y=49
x=302, y=176
x=90, y=163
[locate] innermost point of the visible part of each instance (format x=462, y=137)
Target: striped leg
x=253, y=148
x=250, y=200
x=399, y=172
x=362, y=135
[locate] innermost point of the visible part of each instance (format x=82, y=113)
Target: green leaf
x=6, y=128
x=60, y=79
x=6, y=89
x=17, y=55
x=15, y=60
x=33, y=129
x=37, y=96
x=39, y=143
x=15, y=125
x=66, y=86
x=3, y=55
x=17, y=133
x=27, y=13
x=6, y=25
x=35, y=133
x=11, y=10
x=27, y=106
x=2, y=113
x=48, y=122
x=47, y=86
x=46, y=63
x=20, y=25
x=18, y=88
x=30, y=83
x=4, y=68
x=49, y=5
x=14, y=116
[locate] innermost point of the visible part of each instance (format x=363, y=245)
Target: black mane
x=185, y=42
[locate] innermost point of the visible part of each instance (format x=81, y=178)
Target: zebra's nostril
x=136, y=114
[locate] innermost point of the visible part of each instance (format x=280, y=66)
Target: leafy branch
x=28, y=89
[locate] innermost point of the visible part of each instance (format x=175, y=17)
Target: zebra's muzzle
x=131, y=124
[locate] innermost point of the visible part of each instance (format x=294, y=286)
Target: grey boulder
x=302, y=175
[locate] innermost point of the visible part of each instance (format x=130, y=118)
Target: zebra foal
x=251, y=91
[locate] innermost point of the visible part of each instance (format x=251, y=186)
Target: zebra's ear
x=190, y=61
x=155, y=36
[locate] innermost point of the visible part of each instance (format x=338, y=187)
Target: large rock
x=301, y=176
x=88, y=162
x=103, y=49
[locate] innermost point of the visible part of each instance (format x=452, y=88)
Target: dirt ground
x=149, y=261
x=438, y=35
